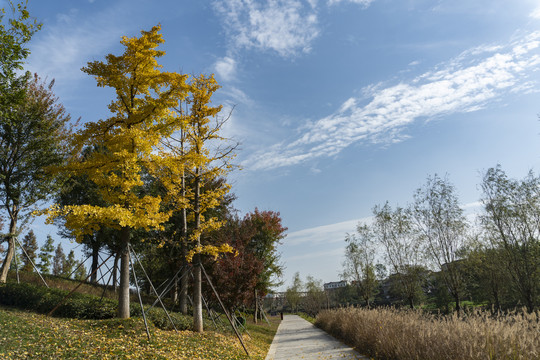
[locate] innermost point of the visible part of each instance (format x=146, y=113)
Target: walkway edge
x=273, y=346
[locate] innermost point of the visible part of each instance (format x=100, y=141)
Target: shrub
x=160, y=320
x=398, y=334
x=43, y=300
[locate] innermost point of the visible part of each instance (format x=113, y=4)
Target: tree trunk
x=175, y=291
x=115, y=271
x=95, y=261
x=123, y=294
x=11, y=246
x=458, y=304
x=497, y=302
x=197, y=296
x=530, y=301
x=197, y=286
x=184, y=283
x=255, y=313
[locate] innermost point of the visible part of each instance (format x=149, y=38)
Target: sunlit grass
x=26, y=335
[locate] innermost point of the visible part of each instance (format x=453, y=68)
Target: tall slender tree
x=29, y=255
x=207, y=159
x=293, y=294
x=443, y=228
x=59, y=261
x=393, y=230
x=359, y=264
x=69, y=264
x=46, y=256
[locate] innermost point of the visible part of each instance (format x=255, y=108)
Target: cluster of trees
x=151, y=177
x=308, y=296
x=429, y=253
x=52, y=260
x=431, y=250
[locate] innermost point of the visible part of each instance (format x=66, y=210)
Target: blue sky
x=339, y=104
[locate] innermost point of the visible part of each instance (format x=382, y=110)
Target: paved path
x=297, y=338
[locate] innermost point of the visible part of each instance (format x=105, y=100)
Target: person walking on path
x=297, y=338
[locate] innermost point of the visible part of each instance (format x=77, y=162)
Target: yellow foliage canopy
x=125, y=144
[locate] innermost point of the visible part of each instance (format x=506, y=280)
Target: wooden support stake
x=153, y=288
x=31, y=262
x=140, y=298
x=225, y=310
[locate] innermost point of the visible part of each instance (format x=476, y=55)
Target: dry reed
x=391, y=334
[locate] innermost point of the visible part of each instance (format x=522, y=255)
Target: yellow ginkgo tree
x=128, y=143
x=207, y=159
x=205, y=156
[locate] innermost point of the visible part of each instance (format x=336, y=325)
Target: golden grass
x=391, y=334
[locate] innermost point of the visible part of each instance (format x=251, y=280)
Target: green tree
x=315, y=298
x=80, y=273
x=443, y=229
x=59, y=261
x=46, y=256
x=487, y=279
x=32, y=134
x=359, y=264
x=293, y=294
x=69, y=264
x=402, y=250
x=29, y=255
x=512, y=220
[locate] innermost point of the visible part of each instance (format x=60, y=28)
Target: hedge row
x=80, y=306
x=43, y=300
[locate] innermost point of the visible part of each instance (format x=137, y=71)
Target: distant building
x=335, y=285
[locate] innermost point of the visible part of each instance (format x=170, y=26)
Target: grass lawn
x=27, y=335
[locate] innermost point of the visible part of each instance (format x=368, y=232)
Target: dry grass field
x=391, y=334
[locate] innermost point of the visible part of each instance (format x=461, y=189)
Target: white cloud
x=536, y=13
x=326, y=233
x=62, y=48
x=364, y=3
x=226, y=68
x=286, y=27
x=464, y=84
x=325, y=254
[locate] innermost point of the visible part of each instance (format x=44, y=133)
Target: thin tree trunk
x=197, y=286
x=411, y=303
x=458, y=304
x=175, y=291
x=255, y=313
x=184, y=283
x=115, y=271
x=123, y=294
x=11, y=248
x=95, y=262
x=197, y=296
